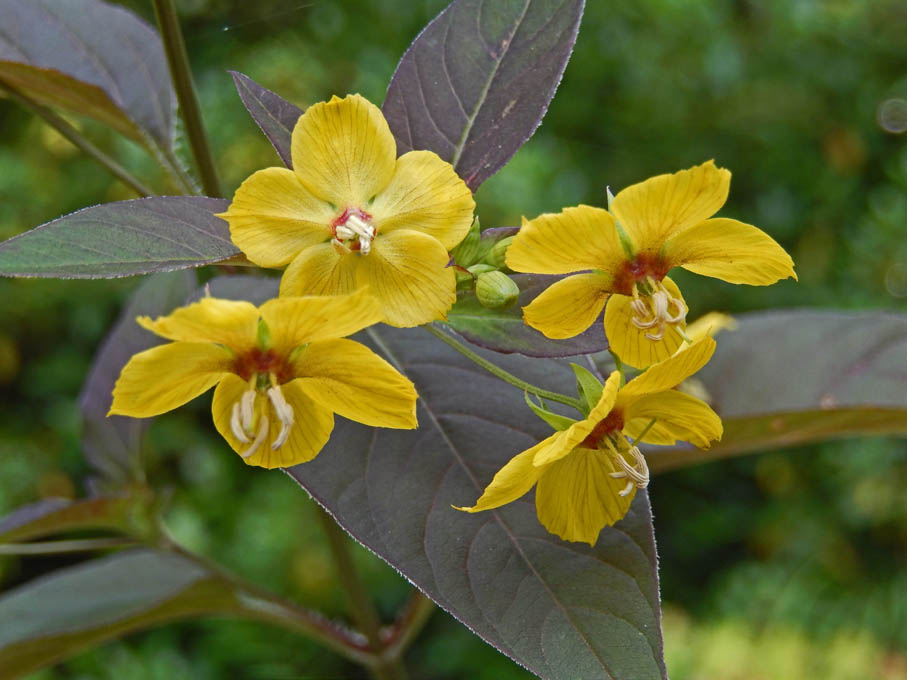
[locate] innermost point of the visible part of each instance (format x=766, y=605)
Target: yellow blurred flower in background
x=351, y=214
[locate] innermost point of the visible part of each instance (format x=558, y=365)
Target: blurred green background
x=788, y=564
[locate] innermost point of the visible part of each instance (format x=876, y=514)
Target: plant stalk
x=77, y=139
x=499, y=372
x=186, y=95
x=61, y=547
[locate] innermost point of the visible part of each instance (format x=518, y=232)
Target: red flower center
x=262, y=362
x=640, y=268
x=613, y=422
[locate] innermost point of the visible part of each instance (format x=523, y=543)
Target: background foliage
x=785, y=564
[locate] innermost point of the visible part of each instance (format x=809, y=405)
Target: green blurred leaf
x=791, y=377
x=503, y=330
x=141, y=236
x=71, y=609
x=476, y=82
x=91, y=58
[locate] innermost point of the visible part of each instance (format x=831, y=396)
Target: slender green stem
x=186, y=95
x=500, y=372
x=60, y=547
x=361, y=605
x=77, y=139
x=409, y=624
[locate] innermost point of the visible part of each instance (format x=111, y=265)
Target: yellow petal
x=321, y=270
x=273, y=217
x=576, y=497
x=731, y=251
x=343, y=151
x=569, y=306
x=653, y=210
x=570, y=241
x=679, y=417
x=232, y=323
x=511, y=481
x=710, y=324
x=351, y=380
x=162, y=378
x=567, y=440
x=408, y=274
x=670, y=372
x=294, y=321
x=308, y=434
x=629, y=342
x=426, y=195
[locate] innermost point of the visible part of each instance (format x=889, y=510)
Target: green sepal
x=264, y=334
x=497, y=255
x=469, y=250
x=588, y=386
x=555, y=420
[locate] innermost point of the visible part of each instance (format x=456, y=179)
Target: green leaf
x=56, y=515
x=793, y=377
x=555, y=420
x=69, y=610
x=476, y=82
x=140, y=236
x=91, y=58
x=588, y=385
x=503, y=330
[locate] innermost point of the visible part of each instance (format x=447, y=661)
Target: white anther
x=658, y=315
x=359, y=226
x=636, y=474
x=284, y=414
x=247, y=410
x=259, y=438
x=355, y=226
x=344, y=232
x=236, y=425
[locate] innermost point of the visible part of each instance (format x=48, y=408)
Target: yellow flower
x=588, y=473
x=652, y=227
x=282, y=370
x=351, y=214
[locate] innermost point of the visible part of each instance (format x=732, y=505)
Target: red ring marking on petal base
x=639, y=269
x=258, y=361
x=613, y=422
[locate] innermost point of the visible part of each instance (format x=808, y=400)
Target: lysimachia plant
x=487, y=363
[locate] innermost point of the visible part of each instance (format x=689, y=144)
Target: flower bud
x=496, y=290
x=469, y=249
x=498, y=253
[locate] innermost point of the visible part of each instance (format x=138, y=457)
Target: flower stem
x=77, y=138
x=186, y=95
x=361, y=605
x=499, y=372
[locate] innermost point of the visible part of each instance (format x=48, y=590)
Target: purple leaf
x=140, y=236
x=272, y=113
x=92, y=58
x=475, y=84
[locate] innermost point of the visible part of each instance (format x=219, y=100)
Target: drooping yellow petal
x=566, y=440
x=343, y=151
x=629, y=342
x=578, y=238
x=309, y=433
x=569, y=306
x=294, y=321
x=408, y=274
x=273, y=217
x=162, y=378
x=321, y=270
x=678, y=416
x=731, y=251
x=511, y=481
x=232, y=323
x=668, y=373
x=576, y=496
x=426, y=195
x=654, y=210
x=351, y=380
x=710, y=324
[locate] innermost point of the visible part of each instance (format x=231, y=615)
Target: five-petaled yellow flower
x=282, y=370
x=351, y=214
x=650, y=228
x=587, y=474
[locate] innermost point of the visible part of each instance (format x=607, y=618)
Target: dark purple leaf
x=503, y=330
x=92, y=58
x=140, y=236
x=797, y=376
x=55, y=515
x=113, y=445
x=475, y=84
x=562, y=610
x=272, y=113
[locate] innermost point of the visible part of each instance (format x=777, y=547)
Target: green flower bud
x=496, y=290
x=498, y=253
x=480, y=268
x=469, y=249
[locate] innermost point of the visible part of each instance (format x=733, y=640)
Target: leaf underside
x=274, y=115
